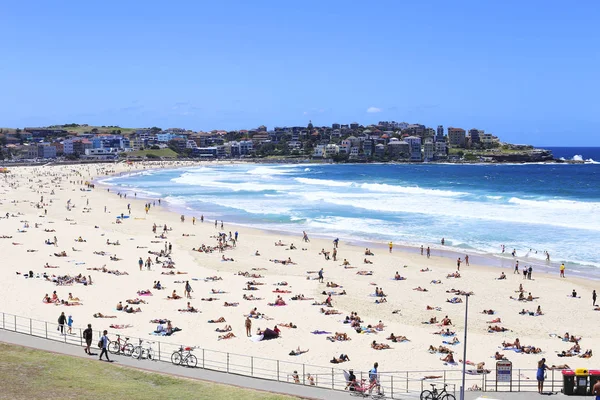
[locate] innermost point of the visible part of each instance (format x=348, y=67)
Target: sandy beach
x=57, y=200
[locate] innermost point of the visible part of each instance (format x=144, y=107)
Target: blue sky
x=524, y=70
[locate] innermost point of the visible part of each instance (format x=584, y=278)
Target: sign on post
x=504, y=373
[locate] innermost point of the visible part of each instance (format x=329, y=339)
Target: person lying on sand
x=449, y=358
x=453, y=275
x=501, y=277
x=338, y=360
x=251, y=297
x=131, y=310
x=499, y=356
x=496, y=328
x=420, y=289
x=297, y=352
x=515, y=345
x=339, y=337
x=364, y=273
x=432, y=308
x=439, y=349
x=446, y=332
x=288, y=325
x=329, y=312
x=454, y=300
x=379, y=346
x=395, y=338
x=365, y=261
x=432, y=320
x=227, y=328
x=226, y=304
x=216, y=321
x=368, y=252
x=100, y=315
x=209, y=299
x=135, y=301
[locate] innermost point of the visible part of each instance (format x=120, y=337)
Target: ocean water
x=476, y=208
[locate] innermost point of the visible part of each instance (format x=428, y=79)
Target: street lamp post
x=464, y=370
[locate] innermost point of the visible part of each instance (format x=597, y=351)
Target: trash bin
x=581, y=381
x=594, y=377
x=568, y=382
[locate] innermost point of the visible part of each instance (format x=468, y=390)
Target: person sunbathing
x=515, y=345
x=119, y=326
x=223, y=258
x=560, y=366
x=587, y=354
x=340, y=337
x=425, y=270
x=251, y=297
x=281, y=291
x=381, y=300
x=100, y=315
x=297, y=352
x=71, y=298
x=439, y=349
x=446, y=332
x=432, y=320
x=278, y=302
x=420, y=289
x=531, y=350
x=368, y=252
x=289, y=325
x=61, y=254
x=226, y=304
x=454, y=300
x=227, y=328
x=115, y=258
x=174, y=296
x=364, y=273
x=46, y=299
x=216, y=321
x=446, y=321
x=429, y=308
x=119, y=306
x=499, y=356
x=502, y=276
x=217, y=291
x=135, y=301
x=342, y=358
x=453, y=275
x=131, y=310
x=329, y=312
x=147, y=292
x=488, y=312
x=398, y=277
x=279, y=243
x=495, y=321
x=379, y=346
x=365, y=261
x=496, y=328
x=396, y=339
x=332, y=285
x=449, y=358
x=539, y=311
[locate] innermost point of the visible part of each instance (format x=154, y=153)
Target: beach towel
x=257, y=338
x=320, y=333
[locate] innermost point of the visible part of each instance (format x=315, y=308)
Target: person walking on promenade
x=87, y=336
x=70, y=325
x=248, y=327
x=62, y=320
x=104, y=341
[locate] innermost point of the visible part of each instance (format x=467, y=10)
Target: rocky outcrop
x=526, y=156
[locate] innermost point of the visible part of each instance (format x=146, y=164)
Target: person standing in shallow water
x=458, y=263
x=594, y=298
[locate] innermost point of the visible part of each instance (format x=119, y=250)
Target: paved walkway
x=301, y=391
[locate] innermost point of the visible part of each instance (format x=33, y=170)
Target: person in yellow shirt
x=390, y=246
x=562, y=270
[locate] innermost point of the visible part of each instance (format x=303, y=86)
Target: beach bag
x=100, y=343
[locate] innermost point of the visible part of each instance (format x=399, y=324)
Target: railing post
x=406, y=381
x=203, y=358
x=158, y=351
x=519, y=380
x=3, y=325
x=30, y=327
x=251, y=366
x=227, y=362
x=80, y=337
x=277, y=370
x=332, y=379
x=303, y=374
x=552, y=380
x=392, y=386
x=46, y=324
x=15, y=323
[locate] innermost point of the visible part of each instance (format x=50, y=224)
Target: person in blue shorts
x=596, y=390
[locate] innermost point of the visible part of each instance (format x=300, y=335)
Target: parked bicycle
x=120, y=346
x=141, y=352
x=184, y=356
x=433, y=394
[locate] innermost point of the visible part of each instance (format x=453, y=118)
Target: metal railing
x=394, y=384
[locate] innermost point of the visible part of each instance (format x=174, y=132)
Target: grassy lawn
x=168, y=153
x=35, y=374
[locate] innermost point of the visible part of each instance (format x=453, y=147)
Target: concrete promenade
x=301, y=391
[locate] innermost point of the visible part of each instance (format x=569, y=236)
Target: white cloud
x=373, y=110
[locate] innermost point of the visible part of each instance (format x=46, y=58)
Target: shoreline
x=479, y=257
x=97, y=226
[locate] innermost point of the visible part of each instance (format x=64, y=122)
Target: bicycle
x=435, y=395
x=120, y=346
x=140, y=352
x=184, y=356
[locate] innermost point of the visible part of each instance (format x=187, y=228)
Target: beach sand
x=20, y=194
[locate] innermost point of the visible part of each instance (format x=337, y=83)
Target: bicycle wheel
x=427, y=395
x=137, y=352
x=113, y=347
x=128, y=349
x=191, y=361
x=150, y=355
x=176, y=358
x=448, y=396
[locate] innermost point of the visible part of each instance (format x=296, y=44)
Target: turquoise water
x=476, y=208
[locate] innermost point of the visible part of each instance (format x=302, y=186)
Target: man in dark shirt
x=87, y=335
